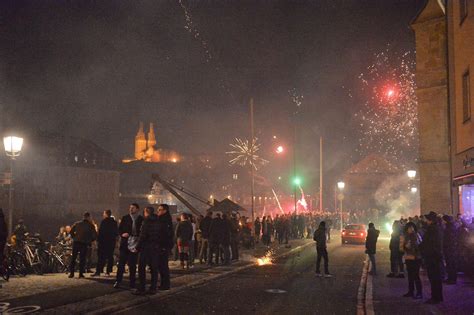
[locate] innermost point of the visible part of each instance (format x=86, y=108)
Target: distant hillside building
x=145, y=149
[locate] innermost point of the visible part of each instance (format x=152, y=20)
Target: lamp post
x=12, y=147
x=341, y=186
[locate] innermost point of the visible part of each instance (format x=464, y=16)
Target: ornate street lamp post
x=341, y=186
x=12, y=147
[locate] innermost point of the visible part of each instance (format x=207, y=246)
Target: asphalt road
x=299, y=290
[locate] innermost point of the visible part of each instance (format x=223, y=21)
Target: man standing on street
x=370, y=247
x=165, y=243
x=431, y=249
x=129, y=230
x=108, y=232
x=320, y=238
x=205, y=227
x=148, y=248
x=83, y=233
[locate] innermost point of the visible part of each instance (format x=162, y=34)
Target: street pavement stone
x=387, y=292
x=57, y=294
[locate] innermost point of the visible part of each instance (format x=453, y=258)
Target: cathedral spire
x=140, y=143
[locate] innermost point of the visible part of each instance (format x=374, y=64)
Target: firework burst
x=389, y=119
x=245, y=153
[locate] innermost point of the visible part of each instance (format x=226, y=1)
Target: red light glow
x=280, y=149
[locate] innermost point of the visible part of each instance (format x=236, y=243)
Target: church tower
x=151, y=138
x=140, y=143
x=150, y=143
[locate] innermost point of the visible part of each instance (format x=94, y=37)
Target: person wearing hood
x=320, y=237
x=432, y=251
x=396, y=256
x=411, y=248
x=129, y=231
x=371, y=245
x=148, y=249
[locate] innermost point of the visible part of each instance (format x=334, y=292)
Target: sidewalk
x=387, y=292
x=57, y=294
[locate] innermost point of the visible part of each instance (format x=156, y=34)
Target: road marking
x=277, y=291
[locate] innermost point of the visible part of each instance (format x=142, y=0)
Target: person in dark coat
x=226, y=238
x=215, y=239
x=371, y=246
x=165, y=244
x=129, y=231
x=320, y=237
x=204, y=227
x=83, y=233
x=432, y=252
x=184, y=235
x=108, y=233
x=149, y=249
x=234, y=236
x=397, y=268
x=450, y=249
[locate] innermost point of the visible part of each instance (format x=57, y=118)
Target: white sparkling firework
x=389, y=119
x=296, y=98
x=245, y=153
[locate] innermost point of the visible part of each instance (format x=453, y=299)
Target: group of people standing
x=146, y=239
x=430, y=242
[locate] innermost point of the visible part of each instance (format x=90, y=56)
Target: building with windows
x=57, y=178
x=460, y=26
x=445, y=57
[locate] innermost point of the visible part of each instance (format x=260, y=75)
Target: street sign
x=340, y=197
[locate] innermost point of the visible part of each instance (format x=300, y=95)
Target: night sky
x=96, y=68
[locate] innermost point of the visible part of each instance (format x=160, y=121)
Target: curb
x=162, y=295
x=365, y=305
x=361, y=292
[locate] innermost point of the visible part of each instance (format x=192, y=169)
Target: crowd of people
x=438, y=243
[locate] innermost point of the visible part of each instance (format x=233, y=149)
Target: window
x=466, y=97
x=463, y=10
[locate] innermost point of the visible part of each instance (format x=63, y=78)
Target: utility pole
x=320, y=174
x=252, y=135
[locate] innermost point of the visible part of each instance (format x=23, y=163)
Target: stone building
x=57, y=178
x=445, y=52
x=460, y=26
x=432, y=93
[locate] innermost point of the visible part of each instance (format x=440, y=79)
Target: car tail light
x=361, y=234
x=343, y=232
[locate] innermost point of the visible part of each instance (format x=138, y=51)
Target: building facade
x=445, y=56
x=57, y=178
x=460, y=26
x=433, y=108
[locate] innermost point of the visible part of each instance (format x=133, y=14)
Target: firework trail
x=191, y=27
x=389, y=118
x=245, y=153
x=194, y=31
x=278, y=201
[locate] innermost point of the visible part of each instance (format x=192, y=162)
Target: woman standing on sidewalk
x=411, y=247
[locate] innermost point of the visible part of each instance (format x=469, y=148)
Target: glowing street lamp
x=414, y=190
x=12, y=145
x=280, y=149
x=341, y=186
x=411, y=174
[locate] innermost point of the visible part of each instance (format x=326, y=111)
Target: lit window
x=463, y=10
x=235, y=176
x=466, y=95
